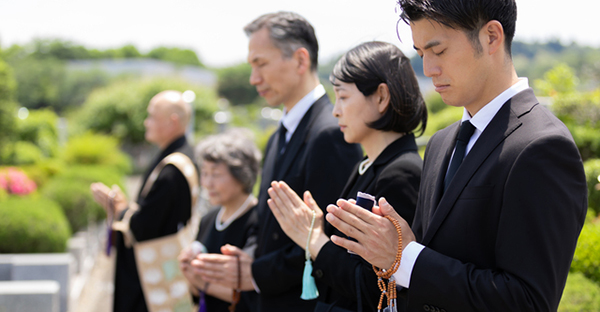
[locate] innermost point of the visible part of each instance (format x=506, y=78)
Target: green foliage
x=32, y=225
x=71, y=190
x=580, y=111
x=119, y=109
x=435, y=103
x=74, y=89
x=233, y=84
x=176, y=55
x=58, y=49
x=442, y=119
x=96, y=149
x=44, y=170
x=7, y=106
x=560, y=79
x=592, y=173
x=38, y=81
x=580, y=294
x=21, y=153
x=587, y=253
x=40, y=128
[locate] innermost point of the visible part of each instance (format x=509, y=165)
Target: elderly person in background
x=229, y=165
x=164, y=208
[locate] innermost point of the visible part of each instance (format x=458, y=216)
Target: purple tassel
x=202, y=303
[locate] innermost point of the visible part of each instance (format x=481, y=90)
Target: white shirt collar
x=485, y=115
x=291, y=119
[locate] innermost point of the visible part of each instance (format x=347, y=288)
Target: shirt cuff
x=409, y=257
x=255, y=286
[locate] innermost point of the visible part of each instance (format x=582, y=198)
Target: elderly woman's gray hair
x=236, y=149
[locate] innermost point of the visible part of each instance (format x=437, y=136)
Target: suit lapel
x=502, y=125
x=299, y=137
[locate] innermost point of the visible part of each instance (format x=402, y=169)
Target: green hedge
x=587, y=253
x=97, y=149
x=592, y=172
x=71, y=190
x=32, y=225
x=119, y=109
x=580, y=294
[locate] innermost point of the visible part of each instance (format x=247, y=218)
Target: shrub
x=435, y=103
x=40, y=128
x=442, y=119
x=119, y=109
x=71, y=190
x=96, y=149
x=76, y=201
x=587, y=253
x=592, y=173
x=32, y=225
x=21, y=153
x=15, y=181
x=580, y=294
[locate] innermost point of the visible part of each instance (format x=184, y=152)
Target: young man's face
x=460, y=74
x=275, y=77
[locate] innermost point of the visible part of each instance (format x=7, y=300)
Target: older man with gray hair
x=164, y=208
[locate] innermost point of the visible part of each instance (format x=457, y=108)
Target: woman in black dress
x=229, y=165
x=379, y=105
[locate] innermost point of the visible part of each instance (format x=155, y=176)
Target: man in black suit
x=164, y=209
x=497, y=232
x=308, y=152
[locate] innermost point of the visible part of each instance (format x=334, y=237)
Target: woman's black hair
x=373, y=63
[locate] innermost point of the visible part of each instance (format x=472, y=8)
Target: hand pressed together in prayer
x=185, y=258
x=377, y=237
x=295, y=216
x=222, y=268
x=103, y=195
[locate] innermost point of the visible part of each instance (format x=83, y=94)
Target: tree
x=7, y=105
x=119, y=109
x=176, y=55
x=234, y=84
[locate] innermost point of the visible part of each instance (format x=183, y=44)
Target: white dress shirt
x=481, y=120
x=291, y=119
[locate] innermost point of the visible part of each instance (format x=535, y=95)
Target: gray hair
x=236, y=149
x=289, y=32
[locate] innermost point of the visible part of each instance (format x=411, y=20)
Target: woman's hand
x=295, y=216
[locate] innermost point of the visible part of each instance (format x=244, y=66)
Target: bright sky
x=214, y=28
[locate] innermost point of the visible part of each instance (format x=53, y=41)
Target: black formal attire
x=317, y=159
x=395, y=174
x=240, y=233
x=501, y=237
x=161, y=212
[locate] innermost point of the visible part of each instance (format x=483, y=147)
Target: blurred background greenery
x=70, y=115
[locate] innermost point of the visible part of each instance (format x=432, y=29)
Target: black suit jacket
x=395, y=174
x=502, y=236
x=161, y=212
x=317, y=159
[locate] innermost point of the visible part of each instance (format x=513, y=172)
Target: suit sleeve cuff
x=409, y=257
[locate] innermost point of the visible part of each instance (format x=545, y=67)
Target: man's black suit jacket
x=395, y=174
x=161, y=212
x=317, y=159
x=502, y=236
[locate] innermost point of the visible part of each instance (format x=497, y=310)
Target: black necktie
x=282, y=142
x=464, y=134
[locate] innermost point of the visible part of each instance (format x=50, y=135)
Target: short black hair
x=466, y=15
x=289, y=32
x=373, y=63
